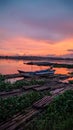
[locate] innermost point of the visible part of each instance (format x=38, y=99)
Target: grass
x=71, y=81
x=57, y=116
x=8, y=86
x=12, y=105
x=2, y=77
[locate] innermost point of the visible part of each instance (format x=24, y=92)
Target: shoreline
x=56, y=65
x=34, y=58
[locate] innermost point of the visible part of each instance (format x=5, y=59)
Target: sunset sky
x=36, y=27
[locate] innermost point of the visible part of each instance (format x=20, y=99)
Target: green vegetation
x=2, y=77
x=57, y=116
x=5, y=86
x=28, y=83
x=8, y=86
x=13, y=105
x=71, y=81
x=63, y=65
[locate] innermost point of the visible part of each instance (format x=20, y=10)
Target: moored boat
x=38, y=73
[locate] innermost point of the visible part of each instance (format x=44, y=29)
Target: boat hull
x=37, y=73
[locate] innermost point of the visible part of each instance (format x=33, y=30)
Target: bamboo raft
x=30, y=87
x=15, y=122
x=26, y=89
x=41, y=88
x=56, y=90
x=23, y=90
x=42, y=103
x=11, y=93
x=37, y=107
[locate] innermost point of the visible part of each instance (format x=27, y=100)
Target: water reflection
x=61, y=61
x=61, y=70
x=66, y=80
x=11, y=66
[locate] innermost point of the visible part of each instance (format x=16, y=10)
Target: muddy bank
x=50, y=63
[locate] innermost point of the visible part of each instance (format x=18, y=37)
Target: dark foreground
x=36, y=104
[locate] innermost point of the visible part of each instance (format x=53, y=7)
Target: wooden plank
x=19, y=93
x=47, y=99
x=58, y=86
x=41, y=102
x=56, y=90
x=21, y=119
x=10, y=92
x=25, y=118
x=9, y=123
x=41, y=88
x=30, y=87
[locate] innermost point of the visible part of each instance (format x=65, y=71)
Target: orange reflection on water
x=11, y=66
x=61, y=70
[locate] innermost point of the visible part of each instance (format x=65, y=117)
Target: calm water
x=11, y=66
x=62, y=61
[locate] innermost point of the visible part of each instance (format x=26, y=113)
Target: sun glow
x=27, y=46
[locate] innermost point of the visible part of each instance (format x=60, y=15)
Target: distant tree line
x=34, y=58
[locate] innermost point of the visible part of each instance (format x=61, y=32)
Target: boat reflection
x=11, y=66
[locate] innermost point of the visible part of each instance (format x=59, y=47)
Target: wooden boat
x=37, y=73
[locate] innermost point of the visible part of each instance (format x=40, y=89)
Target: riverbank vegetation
x=12, y=105
x=8, y=86
x=71, y=81
x=35, y=58
x=57, y=116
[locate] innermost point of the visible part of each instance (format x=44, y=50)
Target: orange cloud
x=23, y=45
